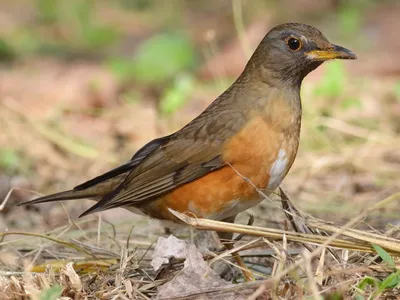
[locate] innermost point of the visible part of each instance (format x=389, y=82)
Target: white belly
x=278, y=170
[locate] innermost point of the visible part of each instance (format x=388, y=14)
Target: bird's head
x=290, y=51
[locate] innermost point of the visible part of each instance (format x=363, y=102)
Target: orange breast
x=260, y=153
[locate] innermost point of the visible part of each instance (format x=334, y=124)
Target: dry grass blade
x=321, y=248
x=220, y=291
x=391, y=244
x=230, y=251
x=357, y=131
x=273, y=234
x=94, y=249
x=55, y=240
x=361, y=241
x=53, y=136
x=297, y=219
x=235, y=251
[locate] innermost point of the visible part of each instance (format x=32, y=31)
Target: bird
x=245, y=141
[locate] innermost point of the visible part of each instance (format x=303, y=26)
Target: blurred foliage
x=157, y=60
x=176, y=96
x=57, y=136
x=132, y=96
x=51, y=293
x=332, y=83
x=161, y=57
x=350, y=19
x=70, y=27
x=136, y=4
x=64, y=27
x=9, y=159
x=351, y=103
x=379, y=286
x=6, y=51
x=351, y=16
x=385, y=256
x=397, y=91
x=47, y=10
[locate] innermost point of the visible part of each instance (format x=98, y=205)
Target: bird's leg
x=192, y=235
x=228, y=236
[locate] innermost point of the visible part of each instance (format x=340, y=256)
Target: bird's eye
x=293, y=43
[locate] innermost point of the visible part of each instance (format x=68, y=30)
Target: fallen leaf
x=165, y=249
x=195, y=277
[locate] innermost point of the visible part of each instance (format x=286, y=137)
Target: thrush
x=245, y=141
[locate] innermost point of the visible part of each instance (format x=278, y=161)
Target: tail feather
x=93, y=192
x=67, y=195
x=98, y=188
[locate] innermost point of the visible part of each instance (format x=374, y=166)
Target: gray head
x=290, y=51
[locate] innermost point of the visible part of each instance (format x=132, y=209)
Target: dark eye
x=294, y=44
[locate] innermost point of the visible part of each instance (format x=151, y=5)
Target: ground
x=83, y=86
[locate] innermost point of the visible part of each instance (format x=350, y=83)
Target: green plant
x=137, y=4
x=161, y=57
x=92, y=34
x=379, y=286
x=156, y=61
x=350, y=19
x=351, y=103
x=332, y=84
x=9, y=159
x=385, y=256
x=77, y=21
x=52, y=293
x=397, y=90
x=6, y=51
x=176, y=96
x=122, y=68
x=47, y=10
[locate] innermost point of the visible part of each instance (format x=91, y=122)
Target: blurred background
x=84, y=84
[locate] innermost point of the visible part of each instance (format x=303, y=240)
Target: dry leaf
x=195, y=277
x=167, y=248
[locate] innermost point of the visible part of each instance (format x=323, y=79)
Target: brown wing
x=106, y=183
x=190, y=153
x=127, y=167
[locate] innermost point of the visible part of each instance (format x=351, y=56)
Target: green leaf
x=8, y=158
x=122, y=68
x=47, y=10
x=350, y=20
x=392, y=281
x=25, y=42
x=51, y=294
x=83, y=11
x=176, y=96
x=131, y=97
x=385, y=256
x=366, y=281
x=6, y=51
x=332, y=84
x=397, y=90
x=161, y=57
x=138, y=5
x=100, y=36
x=351, y=103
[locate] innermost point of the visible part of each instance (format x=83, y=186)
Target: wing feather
x=189, y=154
